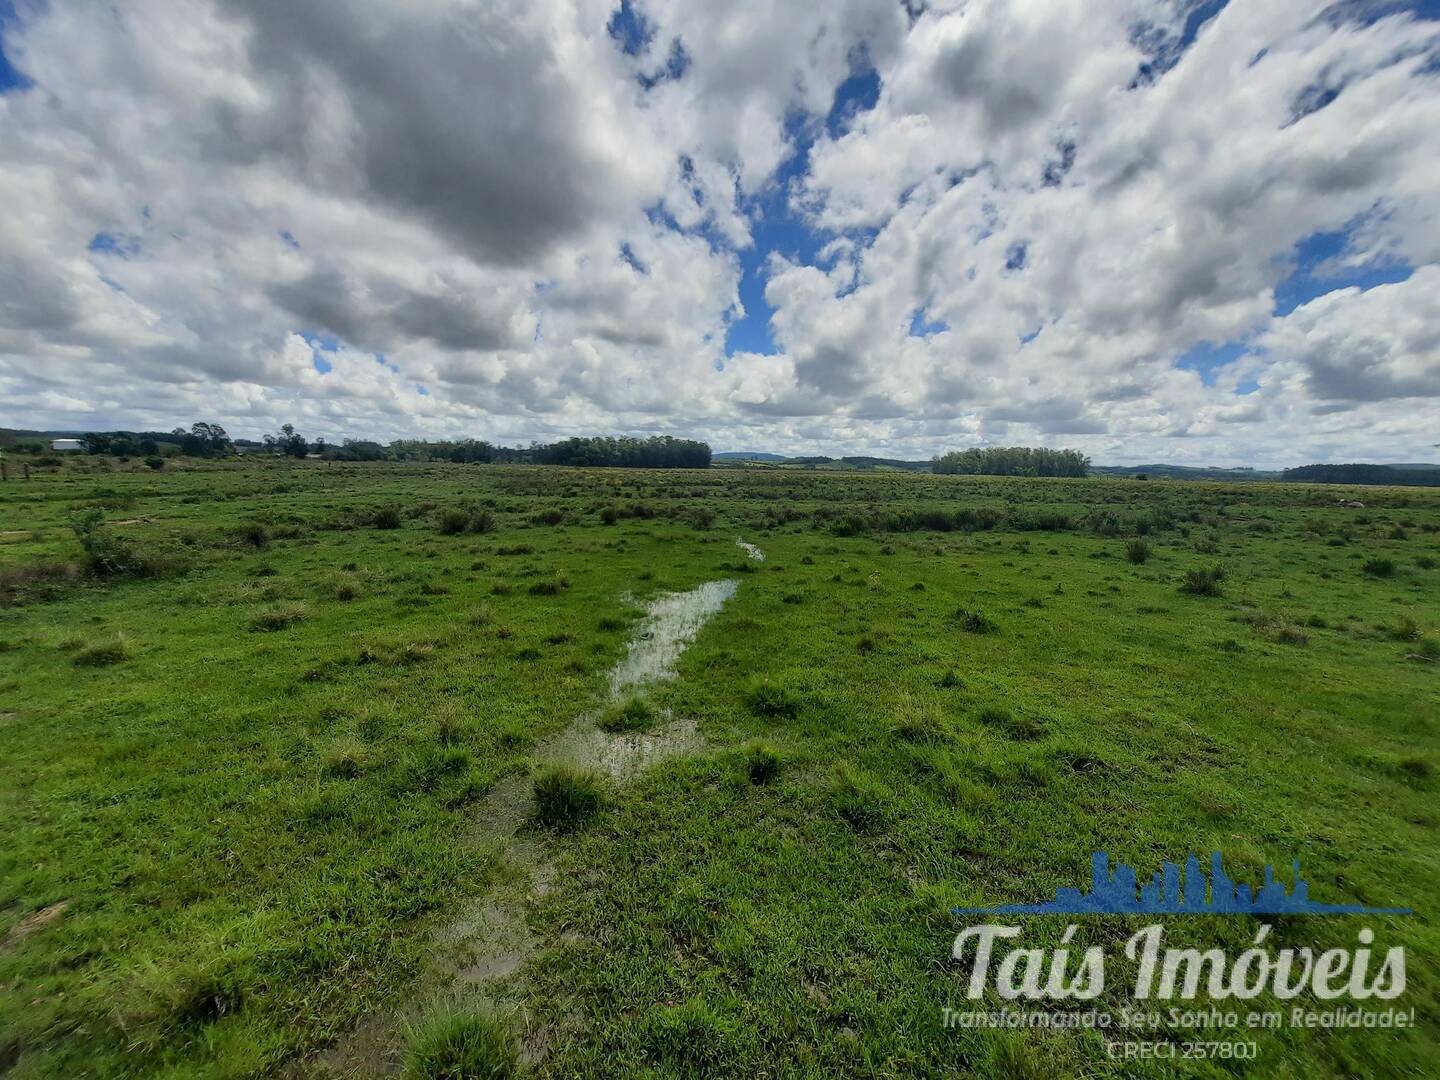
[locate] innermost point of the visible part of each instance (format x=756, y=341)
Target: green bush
x=1380, y=567
x=1137, y=551
x=1203, y=580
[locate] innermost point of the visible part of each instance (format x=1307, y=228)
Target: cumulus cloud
x=1141, y=227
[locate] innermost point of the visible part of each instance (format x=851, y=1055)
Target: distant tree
x=287, y=441
x=204, y=440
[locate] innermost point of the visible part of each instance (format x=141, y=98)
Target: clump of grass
x=1203, y=580
x=387, y=517
x=481, y=616
x=1382, y=568
x=501, y=588
x=566, y=797
x=1428, y=649
x=278, y=617
x=761, y=763
x=1289, y=635
x=347, y=589
x=254, y=534
x=950, y=681
x=549, y=586
x=609, y=624
x=975, y=622
x=859, y=799
x=345, y=759
x=1022, y=728
x=919, y=721
x=1425, y=562
x=765, y=698
x=103, y=654
x=1138, y=551
x=632, y=714
x=1405, y=629
x=457, y=1045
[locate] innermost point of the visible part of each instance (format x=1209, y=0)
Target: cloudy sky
x=1170, y=230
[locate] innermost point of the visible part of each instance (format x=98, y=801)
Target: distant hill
x=1397, y=475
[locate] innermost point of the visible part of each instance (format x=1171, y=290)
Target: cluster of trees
x=1363, y=474
x=200, y=440
x=1013, y=461
x=656, y=452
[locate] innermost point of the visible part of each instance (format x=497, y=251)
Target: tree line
x=1012, y=461
x=207, y=440
x=1362, y=474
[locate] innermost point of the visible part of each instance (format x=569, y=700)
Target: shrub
x=1383, y=568
x=109, y=556
x=1425, y=562
x=761, y=763
x=765, y=698
x=633, y=714
x=1137, y=551
x=454, y=522
x=104, y=654
x=482, y=521
x=155, y=462
x=549, y=517
x=609, y=515
x=1203, y=580
x=566, y=797
x=278, y=617
x=455, y=1045
x=975, y=622
x=387, y=517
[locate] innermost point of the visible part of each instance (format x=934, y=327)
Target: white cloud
x=483, y=195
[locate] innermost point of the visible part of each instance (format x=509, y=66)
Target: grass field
x=269, y=748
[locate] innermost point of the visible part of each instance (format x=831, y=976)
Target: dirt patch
x=33, y=923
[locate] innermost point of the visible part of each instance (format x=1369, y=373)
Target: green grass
x=459, y=1045
x=255, y=833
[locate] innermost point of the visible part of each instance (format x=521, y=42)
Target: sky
x=1191, y=232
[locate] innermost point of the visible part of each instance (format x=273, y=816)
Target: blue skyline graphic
x=1171, y=892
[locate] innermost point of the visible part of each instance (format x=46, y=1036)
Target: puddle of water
x=751, y=550
x=626, y=754
x=490, y=939
x=671, y=623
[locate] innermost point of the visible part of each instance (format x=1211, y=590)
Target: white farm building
x=66, y=445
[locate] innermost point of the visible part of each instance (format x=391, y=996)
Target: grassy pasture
x=245, y=744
